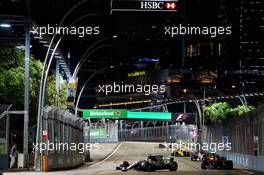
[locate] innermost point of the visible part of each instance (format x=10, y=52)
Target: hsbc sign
x=158, y=5
x=171, y=5
x=144, y=5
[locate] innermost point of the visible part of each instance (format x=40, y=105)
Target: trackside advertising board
x=150, y=115
x=124, y=114
x=105, y=113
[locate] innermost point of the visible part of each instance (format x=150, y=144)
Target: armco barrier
x=62, y=127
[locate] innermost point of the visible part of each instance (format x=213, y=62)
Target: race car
x=214, y=161
x=165, y=145
x=152, y=163
x=180, y=153
x=197, y=156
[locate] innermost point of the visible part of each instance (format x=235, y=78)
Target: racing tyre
x=125, y=164
x=193, y=158
x=173, y=166
x=228, y=165
x=146, y=166
x=203, y=165
x=162, y=146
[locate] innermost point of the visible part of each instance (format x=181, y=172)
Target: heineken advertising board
x=105, y=113
x=124, y=114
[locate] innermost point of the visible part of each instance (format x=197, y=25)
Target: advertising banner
x=150, y=115
x=105, y=113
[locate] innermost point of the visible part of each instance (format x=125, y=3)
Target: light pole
x=80, y=94
x=244, y=100
x=87, y=53
x=40, y=104
x=51, y=59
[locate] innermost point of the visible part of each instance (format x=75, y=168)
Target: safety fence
x=170, y=133
x=60, y=130
x=246, y=135
x=3, y=144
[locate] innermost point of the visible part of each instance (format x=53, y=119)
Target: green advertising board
x=105, y=113
x=98, y=133
x=149, y=115
x=124, y=114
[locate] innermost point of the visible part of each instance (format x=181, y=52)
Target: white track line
x=107, y=156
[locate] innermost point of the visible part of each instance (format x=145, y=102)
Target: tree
x=222, y=111
x=241, y=110
x=52, y=97
x=217, y=111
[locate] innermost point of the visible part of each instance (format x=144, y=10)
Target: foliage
x=12, y=80
x=221, y=111
x=217, y=111
x=53, y=98
x=241, y=110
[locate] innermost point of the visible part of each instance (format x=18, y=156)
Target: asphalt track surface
x=133, y=152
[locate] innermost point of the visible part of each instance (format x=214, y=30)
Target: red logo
x=170, y=5
x=45, y=134
x=118, y=113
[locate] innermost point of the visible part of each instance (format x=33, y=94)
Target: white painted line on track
x=98, y=163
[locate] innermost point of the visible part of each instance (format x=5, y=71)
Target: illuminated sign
x=105, y=113
x=144, y=5
x=135, y=74
x=149, y=115
x=170, y=5
x=124, y=114
x=149, y=60
x=213, y=74
x=158, y=5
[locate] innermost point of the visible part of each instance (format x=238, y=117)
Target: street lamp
x=5, y=25
x=244, y=100
x=84, y=56
x=80, y=94
x=38, y=138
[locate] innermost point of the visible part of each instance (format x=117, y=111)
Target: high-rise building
x=251, y=43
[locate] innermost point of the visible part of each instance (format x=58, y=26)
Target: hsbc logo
x=158, y=5
x=152, y=5
x=170, y=5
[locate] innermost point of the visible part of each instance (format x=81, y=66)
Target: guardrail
x=61, y=127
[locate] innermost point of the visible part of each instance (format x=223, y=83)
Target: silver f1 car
x=152, y=163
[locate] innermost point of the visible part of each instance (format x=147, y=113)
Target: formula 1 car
x=152, y=163
x=180, y=153
x=165, y=145
x=214, y=161
x=197, y=156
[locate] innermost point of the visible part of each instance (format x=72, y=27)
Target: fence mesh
x=169, y=133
